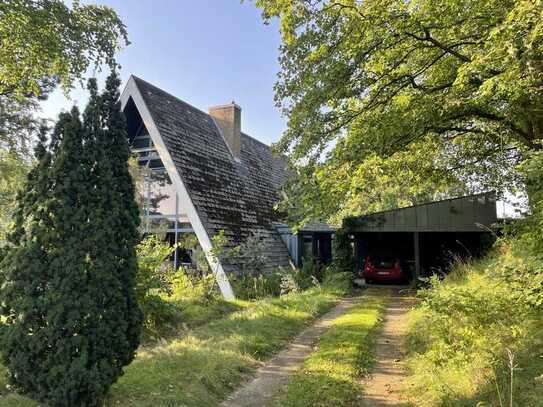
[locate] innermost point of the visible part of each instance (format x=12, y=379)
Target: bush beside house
x=71, y=320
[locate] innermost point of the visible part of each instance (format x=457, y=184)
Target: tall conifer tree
x=72, y=320
x=125, y=219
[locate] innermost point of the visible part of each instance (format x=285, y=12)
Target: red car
x=383, y=269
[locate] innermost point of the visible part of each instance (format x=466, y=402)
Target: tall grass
x=201, y=366
x=476, y=338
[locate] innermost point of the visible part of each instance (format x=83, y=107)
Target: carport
x=428, y=236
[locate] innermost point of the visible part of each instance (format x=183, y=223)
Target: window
x=156, y=191
x=142, y=142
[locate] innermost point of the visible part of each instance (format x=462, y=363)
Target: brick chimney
x=228, y=119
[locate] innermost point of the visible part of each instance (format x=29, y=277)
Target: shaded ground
x=276, y=373
x=383, y=386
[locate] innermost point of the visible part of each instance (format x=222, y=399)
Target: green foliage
x=204, y=366
x=153, y=285
x=340, y=282
x=169, y=298
x=476, y=338
x=284, y=282
x=391, y=103
x=251, y=282
x=522, y=270
x=13, y=170
x=467, y=327
x=186, y=285
x=347, y=185
x=18, y=127
x=216, y=345
x=250, y=255
x=250, y=287
x=343, y=259
x=190, y=242
x=71, y=319
x=331, y=375
x=51, y=42
x=309, y=274
x=288, y=284
x=530, y=228
x=153, y=268
x=44, y=43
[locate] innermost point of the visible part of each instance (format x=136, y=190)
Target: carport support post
x=416, y=246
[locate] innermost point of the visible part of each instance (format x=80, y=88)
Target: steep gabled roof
x=230, y=195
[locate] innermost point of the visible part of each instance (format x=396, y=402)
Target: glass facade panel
x=141, y=142
x=162, y=212
x=156, y=191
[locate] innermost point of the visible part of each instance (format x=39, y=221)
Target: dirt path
x=276, y=373
x=382, y=387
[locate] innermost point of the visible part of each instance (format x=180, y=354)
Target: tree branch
x=447, y=48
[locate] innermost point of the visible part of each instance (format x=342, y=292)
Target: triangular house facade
x=219, y=178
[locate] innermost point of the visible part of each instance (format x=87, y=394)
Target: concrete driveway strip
x=276, y=373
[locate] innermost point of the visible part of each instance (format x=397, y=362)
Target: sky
x=206, y=52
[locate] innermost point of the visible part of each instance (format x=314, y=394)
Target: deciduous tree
x=374, y=78
x=48, y=42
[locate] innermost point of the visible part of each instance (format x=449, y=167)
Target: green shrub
x=160, y=316
x=165, y=295
x=522, y=270
x=289, y=284
x=310, y=273
x=343, y=259
x=153, y=285
x=249, y=287
x=71, y=318
x=531, y=227
x=193, y=286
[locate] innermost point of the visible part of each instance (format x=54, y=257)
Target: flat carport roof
x=472, y=213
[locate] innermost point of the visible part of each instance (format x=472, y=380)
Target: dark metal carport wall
x=468, y=214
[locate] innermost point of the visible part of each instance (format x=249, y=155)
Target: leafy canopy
x=46, y=42
x=457, y=80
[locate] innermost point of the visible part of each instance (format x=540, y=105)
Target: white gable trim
x=131, y=91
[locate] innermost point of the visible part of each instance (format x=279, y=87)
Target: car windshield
x=382, y=261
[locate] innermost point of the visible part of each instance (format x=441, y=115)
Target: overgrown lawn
x=203, y=365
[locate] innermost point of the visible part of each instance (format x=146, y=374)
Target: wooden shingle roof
x=236, y=196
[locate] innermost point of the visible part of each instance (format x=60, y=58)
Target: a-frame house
x=213, y=176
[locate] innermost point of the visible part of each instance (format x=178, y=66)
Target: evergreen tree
x=123, y=210
x=72, y=320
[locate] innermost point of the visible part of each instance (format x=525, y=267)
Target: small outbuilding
x=426, y=237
